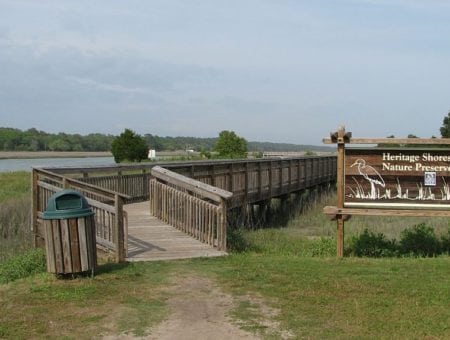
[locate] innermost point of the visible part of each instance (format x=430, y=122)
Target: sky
x=286, y=71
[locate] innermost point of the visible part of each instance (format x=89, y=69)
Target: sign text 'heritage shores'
x=419, y=163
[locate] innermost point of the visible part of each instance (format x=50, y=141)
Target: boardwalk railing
x=193, y=196
x=110, y=218
x=250, y=181
x=196, y=208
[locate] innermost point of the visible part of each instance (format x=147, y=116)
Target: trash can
x=69, y=234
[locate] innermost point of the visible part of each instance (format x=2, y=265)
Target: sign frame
x=343, y=210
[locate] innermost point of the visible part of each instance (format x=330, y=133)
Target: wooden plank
x=65, y=240
x=92, y=240
x=57, y=244
x=74, y=245
x=119, y=229
x=197, y=187
x=332, y=211
x=50, y=250
x=151, y=239
x=84, y=245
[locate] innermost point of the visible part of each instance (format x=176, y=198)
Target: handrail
x=79, y=184
x=195, y=195
x=192, y=206
x=168, y=165
x=205, y=190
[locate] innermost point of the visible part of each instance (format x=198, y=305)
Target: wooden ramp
x=150, y=239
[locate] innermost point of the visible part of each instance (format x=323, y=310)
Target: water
x=26, y=164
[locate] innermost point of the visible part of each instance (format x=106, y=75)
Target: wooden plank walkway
x=150, y=239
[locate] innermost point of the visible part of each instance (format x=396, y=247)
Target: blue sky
x=279, y=70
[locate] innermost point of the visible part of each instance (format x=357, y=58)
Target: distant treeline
x=34, y=140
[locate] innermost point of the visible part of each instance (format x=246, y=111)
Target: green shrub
x=21, y=266
x=420, y=241
x=445, y=242
x=236, y=240
x=372, y=245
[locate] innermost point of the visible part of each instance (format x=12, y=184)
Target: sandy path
x=199, y=311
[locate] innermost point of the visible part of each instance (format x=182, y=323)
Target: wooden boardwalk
x=150, y=239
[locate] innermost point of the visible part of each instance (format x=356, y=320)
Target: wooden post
x=340, y=190
x=270, y=178
x=119, y=181
x=222, y=242
x=280, y=176
x=231, y=184
x=290, y=175
x=213, y=175
x=119, y=230
x=260, y=180
x=247, y=184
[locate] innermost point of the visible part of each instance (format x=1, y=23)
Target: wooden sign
x=396, y=178
x=389, y=181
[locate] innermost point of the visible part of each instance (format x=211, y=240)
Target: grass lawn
x=317, y=297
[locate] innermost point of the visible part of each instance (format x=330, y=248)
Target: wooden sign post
x=396, y=177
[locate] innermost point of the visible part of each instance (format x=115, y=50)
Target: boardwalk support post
x=119, y=229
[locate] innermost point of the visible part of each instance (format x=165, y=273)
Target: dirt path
x=199, y=311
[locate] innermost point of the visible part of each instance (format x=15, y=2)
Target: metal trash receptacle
x=69, y=234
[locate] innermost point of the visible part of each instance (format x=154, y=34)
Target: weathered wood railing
x=110, y=218
x=196, y=208
x=193, y=211
x=250, y=181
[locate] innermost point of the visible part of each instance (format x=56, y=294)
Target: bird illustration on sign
x=370, y=174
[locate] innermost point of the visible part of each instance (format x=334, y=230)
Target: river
x=7, y=165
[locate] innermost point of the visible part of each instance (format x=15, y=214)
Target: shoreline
x=52, y=154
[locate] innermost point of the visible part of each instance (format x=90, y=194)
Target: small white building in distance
x=152, y=154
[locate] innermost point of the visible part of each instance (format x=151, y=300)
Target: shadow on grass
x=108, y=268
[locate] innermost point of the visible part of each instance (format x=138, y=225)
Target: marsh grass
x=299, y=227
x=15, y=227
x=14, y=185
x=15, y=210
x=310, y=221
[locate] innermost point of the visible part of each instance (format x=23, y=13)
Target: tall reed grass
x=299, y=226
x=15, y=210
x=15, y=230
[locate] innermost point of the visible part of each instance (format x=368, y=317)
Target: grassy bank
x=316, y=298
x=290, y=266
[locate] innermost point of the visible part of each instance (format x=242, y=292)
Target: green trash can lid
x=67, y=204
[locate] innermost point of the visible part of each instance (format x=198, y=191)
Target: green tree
x=230, y=145
x=445, y=129
x=129, y=146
